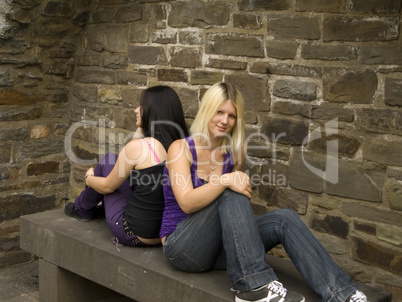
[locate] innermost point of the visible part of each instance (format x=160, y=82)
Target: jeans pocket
x=184, y=263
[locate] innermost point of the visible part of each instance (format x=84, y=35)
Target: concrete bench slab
x=79, y=262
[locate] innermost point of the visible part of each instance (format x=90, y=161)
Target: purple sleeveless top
x=172, y=214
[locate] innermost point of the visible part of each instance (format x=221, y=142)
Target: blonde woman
x=208, y=222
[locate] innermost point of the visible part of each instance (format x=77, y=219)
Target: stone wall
x=322, y=81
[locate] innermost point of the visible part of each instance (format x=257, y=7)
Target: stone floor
x=20, y=283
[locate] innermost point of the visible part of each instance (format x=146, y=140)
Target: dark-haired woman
x=130, y=184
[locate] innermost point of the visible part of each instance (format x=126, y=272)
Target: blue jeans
x=226, y=234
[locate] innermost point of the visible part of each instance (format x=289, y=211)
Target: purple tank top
x=172, y=213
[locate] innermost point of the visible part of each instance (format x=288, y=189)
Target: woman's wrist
x=86, y=180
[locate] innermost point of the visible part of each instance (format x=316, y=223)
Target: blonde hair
x=212, y=100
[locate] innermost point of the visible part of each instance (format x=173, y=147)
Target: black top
x=145, y=206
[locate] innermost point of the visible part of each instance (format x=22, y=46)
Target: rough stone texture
x=393, y=92
x=74, y=71
x=298, y=27
x=234, y=45
x=329, y=53
x=295, y=90
x=326, y=6
x=360, y=29
x=349, y=86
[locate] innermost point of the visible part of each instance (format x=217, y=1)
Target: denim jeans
x=226, y=234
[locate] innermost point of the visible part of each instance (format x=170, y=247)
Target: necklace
x=212, y=167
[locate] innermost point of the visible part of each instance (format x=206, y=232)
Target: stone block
x=368, y=228
x=186, y=57
x=5, y=154
x=20, y=113
x=130, y=13
x=359, y=29
x=13, y=134
x=254, y=90
x=155, y=11
x=393, y=92
x=115, y=61
x=289, y=199
x=83, y=94
x=191, y=38
x=299, y=90
x=349, y=86
x=164, y=37
x=281, y=49
x=334, y=225
x=43, y=168
x=102, y=14
x=201, y=77
x=372, y=214
x=259, y=146
x=321, y=6
x=263, y=5
x=294, y=27
x=393, y=191
x=329, y=52
x=40, y=148
x=58, y=9
x=286, y=69
x=390, y=234
x=291, y=108
x=197, y=14
x=172, y=75
x=325, y=202
x=247, y=21
x=110, y=96
x=15, y=205
x=301, y=172
x=376, y=6
x=88, y=60
x=381, y=55
x=39, y=131
x=379, y=120
x=376, y=255
x=189, y=100
x=356, y=182
x=139, y=32
x=14, y=97
x=95, y=75
x=148, y=55
x=5, y=80
x=328, y=111
x=346, y=145
x=226, y=64
x=273, y=174
x=231, y=44
x=285, y=130
x=108, y=37
x=138, y=78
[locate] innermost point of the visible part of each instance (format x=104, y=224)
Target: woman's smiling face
x=223, y=121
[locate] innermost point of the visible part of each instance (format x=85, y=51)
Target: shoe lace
x=115, y=241
x=277, y=288
x=358, y=297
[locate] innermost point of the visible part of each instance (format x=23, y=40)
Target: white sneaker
x=358, y=296
x=273, y=292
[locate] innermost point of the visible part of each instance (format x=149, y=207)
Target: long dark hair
x=162, y=115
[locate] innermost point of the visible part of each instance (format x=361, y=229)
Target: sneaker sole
x=261, y=300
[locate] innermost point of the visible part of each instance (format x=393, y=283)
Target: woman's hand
x=90, y=172
x=237, y=181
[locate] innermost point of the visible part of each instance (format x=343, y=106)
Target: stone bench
x=78, y=262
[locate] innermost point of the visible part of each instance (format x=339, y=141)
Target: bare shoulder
x=178, y=151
